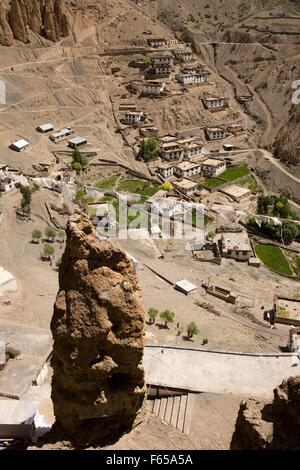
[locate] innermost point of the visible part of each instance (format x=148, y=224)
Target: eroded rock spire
x=98, y=326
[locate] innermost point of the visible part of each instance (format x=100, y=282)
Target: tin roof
x=77, y=141
x=20, y=143
x=185, y=286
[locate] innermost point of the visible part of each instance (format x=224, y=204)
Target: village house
x=44, y=128
x=171, y=42
x=57, y=136
x=166, y=139
x=152, y=87
x=215, y=104
x=162, y=59
x=19, y=146
x=132, y=117
x=148, y=131
x=77, y=142
x=183, y=54
x=156, y=42
x=186, y=186
x=212, y=167
x=186, y=169
x=188, y=79
x=166, y=170
x=215, y=133
x=235, y=245
x=172, y=151
x=237, y=193
x=194, y=150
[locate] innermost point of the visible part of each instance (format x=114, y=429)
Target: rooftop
x=20, y=143
x=236, y=191
x=185, y=184
x=213, y=162
x=187, y=166
x=77, y=140
x=237, y=240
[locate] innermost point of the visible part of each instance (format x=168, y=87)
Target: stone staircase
x=174, y=410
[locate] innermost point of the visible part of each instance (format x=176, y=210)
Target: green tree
x=192, y=329
x=167, y=317
x=36, y=236
x=50, y=233
x=152, y=312
x=26, y=199
x=48, y=251
x=76, y=166
x=149, y=149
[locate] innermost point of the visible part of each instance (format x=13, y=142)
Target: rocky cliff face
x=287, y=143
x=46, y=17
x=6, y=35
x=98, y=386
x=273, y=426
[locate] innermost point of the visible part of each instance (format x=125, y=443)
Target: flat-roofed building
x=162, y=59
x=77, y=142
x=185, y=54
x=163, y=69
x=19, y=145
x=212, y=167
x=61, y=134
x=235, y=245
x=186, y=186
x=152, y=87
x=148, y=131
x=171, y=42
x=171, y=151
x=214, y=104
x=156, y=42
x=44, y=128
x=132, y=117
x=166, y=170
x=194, y=150
x=215, y=133
x=236, y=192
x=186, y=169
x=166, y=139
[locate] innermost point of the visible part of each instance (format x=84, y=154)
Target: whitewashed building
x=162, y=59
x=172, y=151
x=132, y=117
x=186, y=169
x=194, y=150
x=153, y=87
x=156, y=42
x=215, y=103
x=215, y=133
x=212, y=167
x=186, y=186
x=166, y=170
